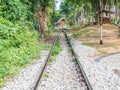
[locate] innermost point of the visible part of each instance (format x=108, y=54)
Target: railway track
x=47, y=60
x=89, y=87
x=79, y=68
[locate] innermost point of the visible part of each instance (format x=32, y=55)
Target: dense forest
x=23, y=23
x=20, y=22
x=79, y=12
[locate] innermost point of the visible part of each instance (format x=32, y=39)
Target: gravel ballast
x=100, y=75
x=112, y=61
x=62, y=74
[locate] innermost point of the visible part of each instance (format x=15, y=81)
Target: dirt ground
x=111, y=41
x=49, y=38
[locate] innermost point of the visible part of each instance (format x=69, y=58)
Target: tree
x=91, y=7
x=116, y=11
x=45, y=6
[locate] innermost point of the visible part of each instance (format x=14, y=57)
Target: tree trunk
x=109, y=11
x=82, y=13
x=87, y=14
x=97, y=11
x=116, y=11
x=41, y=15
x=74, y=14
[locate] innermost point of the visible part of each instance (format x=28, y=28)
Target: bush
x=19, y=44
x=15, y=9
x=113, y=20
x=119, y=21
x=56, y=50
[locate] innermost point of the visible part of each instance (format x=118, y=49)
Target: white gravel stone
x=112, y=61
x=100, y=75
x=61, y=73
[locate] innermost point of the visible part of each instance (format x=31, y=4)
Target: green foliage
x=45, y=75
x=50, y=14
x=119, y=21
x=66, y=10
x=57, y=16
x=19, y=44
x=76, y=11
x=45, y=47
x=112, y=20
x=56, y=50
x=50, y=17
x=15, y=9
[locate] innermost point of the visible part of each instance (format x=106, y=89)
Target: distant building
x=62, y=23
x=106, y=17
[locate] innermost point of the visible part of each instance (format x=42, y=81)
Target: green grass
x=73, y=58
x=56, y=50
x=73, y=27
x=45, y=75
x=89, y=44
x=76, y=34
x=69, y=49
x=45, y=46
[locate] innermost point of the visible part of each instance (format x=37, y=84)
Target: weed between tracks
x=56, y=50
x=45, y=75
x=70, y=50
x=45, y=47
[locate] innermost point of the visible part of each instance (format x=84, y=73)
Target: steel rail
x=89, y=86
x=45, y=64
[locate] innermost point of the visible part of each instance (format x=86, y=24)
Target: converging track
x=79, y=68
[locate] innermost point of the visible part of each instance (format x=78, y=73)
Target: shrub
x=56, y=50
x=119, y=21
x=19, y=44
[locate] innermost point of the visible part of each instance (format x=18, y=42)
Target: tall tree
x=44, y=7
x=116, y=11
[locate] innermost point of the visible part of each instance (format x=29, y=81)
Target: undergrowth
x=19, y=44
x=56, y=50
